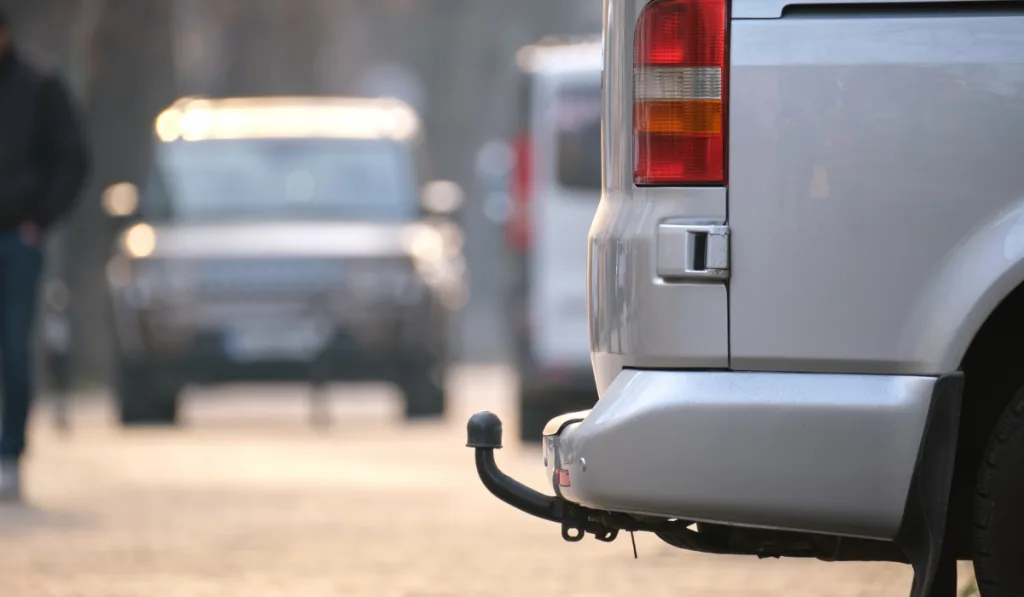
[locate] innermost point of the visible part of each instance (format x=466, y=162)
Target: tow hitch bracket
x=484, y=433
x=484, y=436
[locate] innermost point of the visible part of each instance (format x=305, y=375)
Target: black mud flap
x=923, y=534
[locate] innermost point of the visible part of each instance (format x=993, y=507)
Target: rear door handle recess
x=693, y=252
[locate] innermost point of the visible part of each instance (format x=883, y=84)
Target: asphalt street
x=247, y=499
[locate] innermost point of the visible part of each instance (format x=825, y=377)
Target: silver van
x=556, y=186
x=806, y=282
x=282, y=239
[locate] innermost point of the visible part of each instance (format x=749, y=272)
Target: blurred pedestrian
x=43, y=165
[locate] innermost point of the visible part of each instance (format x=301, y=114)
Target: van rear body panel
x=870, y=146
x=638, y=318
x=774, y=9
x=866, y=150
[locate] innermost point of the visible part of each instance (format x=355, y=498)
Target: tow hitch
x=484, y=436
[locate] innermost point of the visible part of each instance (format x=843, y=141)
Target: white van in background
x=556, y=186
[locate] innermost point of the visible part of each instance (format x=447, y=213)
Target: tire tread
x=1008, y=434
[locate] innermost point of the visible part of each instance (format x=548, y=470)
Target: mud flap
x=923, y=533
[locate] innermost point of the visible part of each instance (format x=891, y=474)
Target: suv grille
x=268, y=276
x=255, y=278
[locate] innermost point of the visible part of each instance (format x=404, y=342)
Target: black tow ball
x=484, y=435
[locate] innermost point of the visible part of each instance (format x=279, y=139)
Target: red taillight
x=517, y=230
x=680, y=94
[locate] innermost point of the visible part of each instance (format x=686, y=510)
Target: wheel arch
x=981, y=277
x=993, y=373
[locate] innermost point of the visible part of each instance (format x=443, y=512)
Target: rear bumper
x=829, y=454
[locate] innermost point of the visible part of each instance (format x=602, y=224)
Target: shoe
x=10, y=481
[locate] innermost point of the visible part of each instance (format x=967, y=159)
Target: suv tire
x=999, y=508
x=143, y=396
x=535, y=410
x=424, y=387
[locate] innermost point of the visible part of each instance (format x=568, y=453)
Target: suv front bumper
x=203, y=331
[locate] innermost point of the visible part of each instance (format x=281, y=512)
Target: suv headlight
x=451, y=233
x=139, y=241
x=434, y=246
x=424, y=243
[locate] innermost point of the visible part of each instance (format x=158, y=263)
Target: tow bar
x=484, y=435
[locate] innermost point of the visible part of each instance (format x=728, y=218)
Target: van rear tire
x=999, y=508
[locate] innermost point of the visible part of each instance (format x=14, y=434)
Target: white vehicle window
x=578, y=143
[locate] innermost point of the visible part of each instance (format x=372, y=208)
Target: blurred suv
x=281, y=239
x=556, y=186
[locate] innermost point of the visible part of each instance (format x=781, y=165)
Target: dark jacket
x=43, y=155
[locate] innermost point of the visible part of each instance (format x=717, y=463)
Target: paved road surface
x=247, y=501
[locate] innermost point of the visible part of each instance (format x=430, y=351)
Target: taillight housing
x=680, y=75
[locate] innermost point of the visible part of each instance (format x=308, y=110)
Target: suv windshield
x=281, y=179
x=579, y=136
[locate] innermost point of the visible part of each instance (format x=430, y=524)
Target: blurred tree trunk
x=199, y=47
x=273, y=47
x=131, y=79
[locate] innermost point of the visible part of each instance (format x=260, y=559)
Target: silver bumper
x=831, y=454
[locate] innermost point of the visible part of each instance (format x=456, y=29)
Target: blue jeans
x=20, y=269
